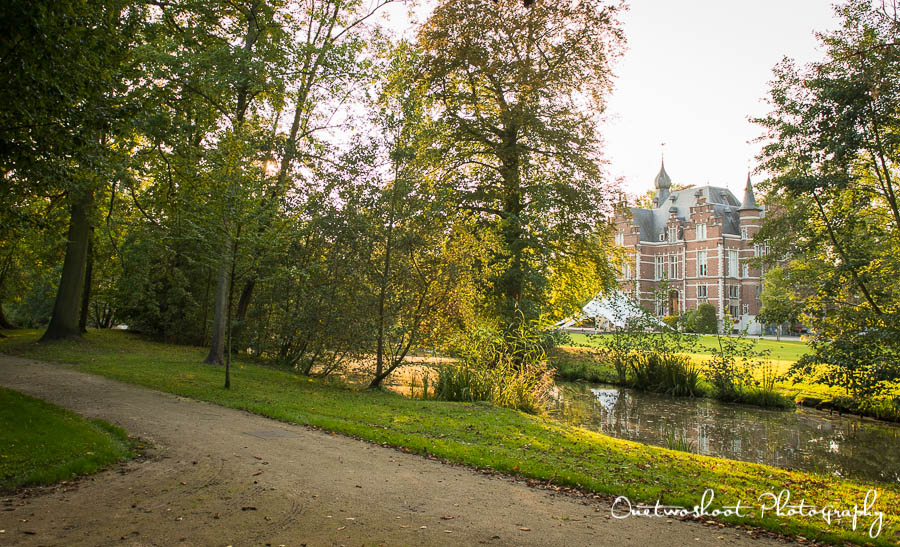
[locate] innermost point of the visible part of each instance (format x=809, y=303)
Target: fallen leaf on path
x=248, y=508
x=341, y=528
x=258, y=473
x=525, y=529
x=447, y=517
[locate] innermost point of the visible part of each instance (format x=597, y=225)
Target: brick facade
x=694, y=245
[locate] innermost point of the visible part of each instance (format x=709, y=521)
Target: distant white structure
x=611, y=311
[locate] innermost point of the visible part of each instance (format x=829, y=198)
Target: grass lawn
x=782, y=354
x=41, y=443
x=474, y=434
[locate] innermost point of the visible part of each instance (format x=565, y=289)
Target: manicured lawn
x=784, y=351
x=41, y=443
x=474, y=434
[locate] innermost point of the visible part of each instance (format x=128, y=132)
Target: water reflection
x=807, y=439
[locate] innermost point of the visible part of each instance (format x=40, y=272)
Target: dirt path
x=218, y=476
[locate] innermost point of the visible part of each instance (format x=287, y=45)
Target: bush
x=671, y=321
x=705, y=321
x=667, y=373
x=509, y=370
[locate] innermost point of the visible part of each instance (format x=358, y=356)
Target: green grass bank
x=41, y=443
x=476, y=434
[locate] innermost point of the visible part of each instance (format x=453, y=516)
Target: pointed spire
x=663, y=183
x=749, y=198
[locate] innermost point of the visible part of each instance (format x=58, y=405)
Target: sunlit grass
x=782, y=354
x=475, y=434
x=41, y=443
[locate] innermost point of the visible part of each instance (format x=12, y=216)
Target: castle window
x=626, y=270
x=733, y=291
x=662, y=236
x=733, y=311
x=620, y=239
x=701, y=291
x=733, y=263
x=701, y=264
x=673, y=234
x=745, y=309
x=673, y=266
x=744, y=233
x=701, y=231
x=660, y=267
x=745, y=270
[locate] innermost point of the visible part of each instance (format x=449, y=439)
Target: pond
x=808, y=440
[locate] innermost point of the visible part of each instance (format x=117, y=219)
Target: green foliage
x=778, y=299
x=671, y=321
x=667, y=373
x=43, y=443
x=508, y=369
x=702, y=320
x=832, y=149
x=528, y=162
x=679, y=441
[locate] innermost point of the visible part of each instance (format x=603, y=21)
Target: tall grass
x=508, y=369
x=679, y=441
x=667, y=373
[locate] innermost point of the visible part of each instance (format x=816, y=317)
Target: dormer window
x=620, y=239
x=662, y=236
x=701, y=231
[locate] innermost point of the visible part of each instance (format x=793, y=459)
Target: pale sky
x=694, y=72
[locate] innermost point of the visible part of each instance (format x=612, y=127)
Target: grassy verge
x=478, y=435
x=41, y=443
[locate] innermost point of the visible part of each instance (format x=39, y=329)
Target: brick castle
x=693, y=246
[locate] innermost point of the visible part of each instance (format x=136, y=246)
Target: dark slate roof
x=663, y=181
x=749, y=198
x=652, y=222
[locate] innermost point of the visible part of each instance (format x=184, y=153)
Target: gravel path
x=218, y=476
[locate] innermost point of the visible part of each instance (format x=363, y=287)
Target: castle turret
x=749, y=203
x=663, y=184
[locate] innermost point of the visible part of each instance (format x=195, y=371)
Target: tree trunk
x=4, y=322
x=220, y=316
x=86, y=292
x=66, y=308
x=382, y=293
x=512, y=281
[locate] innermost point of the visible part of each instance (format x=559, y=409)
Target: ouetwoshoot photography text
x=766, y=504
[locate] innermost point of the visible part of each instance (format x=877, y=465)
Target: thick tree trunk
x=64, y=322
x=220, y=316
x=86, y=293
x=512, y=282
x=4, y=322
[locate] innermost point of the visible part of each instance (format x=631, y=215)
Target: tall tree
x=833, y=149
x=520, y=88
x=66, y=72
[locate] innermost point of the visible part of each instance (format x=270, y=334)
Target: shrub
x=705, y=321
x=509, y=370
x=671, y=321
x=667, y=373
